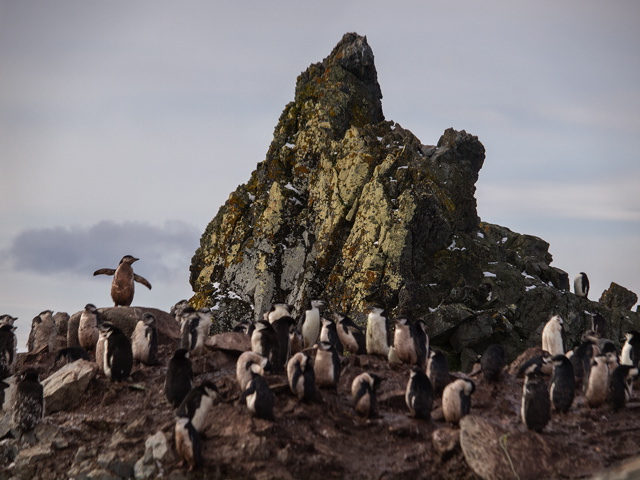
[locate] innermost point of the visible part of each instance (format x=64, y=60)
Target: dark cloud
x=163, y=250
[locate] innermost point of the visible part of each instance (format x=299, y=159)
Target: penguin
x=281, y=327
x=553, y=336
x=351, y=335
x=456, y=399
x=309, y=322
x=278, y=310
x=377, y=336
x=196, y=404
x=88, y=327
x=247, y=364
x=43, y=332
x=326, y=365
x=188, y=443
x=194, y=329
x=607, y=346
x=419, y=394
x=179, y=380
x=8, y=349
x=329, y=333
x=118, y=355
x=492, y=362
x=122, y=285
x=581, y=285
x=438, y=371
x=630, y=353
x=144, y=340
x=563, y=385
x=405, y=341
x=598, y=383
x=543, y=361
x=296, y=342
x=363, y=392
x=620, y=382
x=28, y=407
x=302, y=378
x=72, y=354
x=535, y=408
x=101, y=344
x=583, y=355
x=598, y=325
x=259, y=398
x=264, y=341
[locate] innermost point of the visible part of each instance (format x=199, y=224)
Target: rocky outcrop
x=353, y=208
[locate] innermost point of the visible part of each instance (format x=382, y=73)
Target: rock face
x=354, y=209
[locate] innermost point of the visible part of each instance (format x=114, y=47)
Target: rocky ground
x=107, y=436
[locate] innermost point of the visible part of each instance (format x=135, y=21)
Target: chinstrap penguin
x=536, y=406
x=309, y=322
x=179, y=380
x=363, y=392
x=118, y=356
x=301, y=376
x=438, y=371
x=122, y=285
x=326, y=365
x=197, y=403
x=88, y=327
x=553, y=336
x=492, y=362
x=351, y=335
x=377, y=336
x=456, y=399
x=188, y=443
x=419, y=395
x=563, y=385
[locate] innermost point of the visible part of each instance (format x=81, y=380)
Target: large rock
x=63, y=390
x=353, y=208
x=616, y=296
x=494, y=454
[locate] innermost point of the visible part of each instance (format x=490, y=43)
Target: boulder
x=616, y=296
x=229, y=341
x=63, y=389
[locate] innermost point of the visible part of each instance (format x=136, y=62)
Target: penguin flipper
x=141, y=280
x=104, y=271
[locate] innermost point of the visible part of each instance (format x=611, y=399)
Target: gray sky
x=125, y=125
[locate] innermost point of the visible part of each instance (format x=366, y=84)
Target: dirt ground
x=316, y=440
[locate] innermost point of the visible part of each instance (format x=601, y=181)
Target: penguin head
x=262, y=325
x=557, y=360
x=7, y=320
x=90, y=308
x=533, y=370
x=469, y=386
x=632, y=335
x=326, y=346
x=326, y=322
x=129, y=259
x=106, y=328
x=375, y=309
x=31, y=374
x=181, y=353
x=401, y=321
x=210, y=389
x=148, y=319
x=319, y=304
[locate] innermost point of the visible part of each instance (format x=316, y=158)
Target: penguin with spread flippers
x=122, y=285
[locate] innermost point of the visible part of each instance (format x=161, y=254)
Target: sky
x=124, y=126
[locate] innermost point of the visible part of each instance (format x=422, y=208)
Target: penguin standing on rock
x=43, y=332
x=363, y=392
x=329, y=333
x=302, y=378
x=309, y=322
x=8, y=347
x=194, y=329
x=351, y=335
x=493, y=362
x=581, y=285
x=197, y=403
x=88, y=327
x=438, y=371
x=278, y=310
x=563, y=384
x=122, y=285
x=259, y=398
x=630, y=353
x=419, y=395
x=188, y=443
x=620, y=383
x=598, y=325
x=144, y=340
x=536, y=406
x=456, y=399
x=118, y=355
x=405, y=341
x=28, y=408
x=377, y=337
x=553, y=336
x=326, y=366
x=179, y=380
x=247, y=364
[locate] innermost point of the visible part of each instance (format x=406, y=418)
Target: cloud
x=163, y=250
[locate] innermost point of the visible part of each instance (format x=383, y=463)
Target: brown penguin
x=122, y=286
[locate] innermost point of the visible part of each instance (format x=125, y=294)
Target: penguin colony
x=311, y=353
